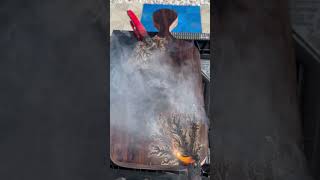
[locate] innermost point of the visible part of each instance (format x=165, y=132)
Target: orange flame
x=186, y=160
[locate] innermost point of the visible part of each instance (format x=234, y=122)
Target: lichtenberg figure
x=177, y=141
x=164, y=20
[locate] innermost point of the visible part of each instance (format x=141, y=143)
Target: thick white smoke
x=138, y=95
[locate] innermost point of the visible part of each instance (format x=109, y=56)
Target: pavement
x=120, y=21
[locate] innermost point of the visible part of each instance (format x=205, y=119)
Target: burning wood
x=143, y=51
x=186, y=160
x=161, y=75
x=177, y=141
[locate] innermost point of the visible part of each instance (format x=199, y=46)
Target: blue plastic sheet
x=189, y=17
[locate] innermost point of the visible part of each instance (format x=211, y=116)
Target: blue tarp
x=189, y=18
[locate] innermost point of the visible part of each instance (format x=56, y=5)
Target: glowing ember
x=177, y=141
x=186, y=160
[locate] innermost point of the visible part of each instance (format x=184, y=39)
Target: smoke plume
x=140, y=92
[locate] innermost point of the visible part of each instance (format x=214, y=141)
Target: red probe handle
x=136, y=25
x=135, y=31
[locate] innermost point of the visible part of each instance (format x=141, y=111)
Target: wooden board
x=129, y=150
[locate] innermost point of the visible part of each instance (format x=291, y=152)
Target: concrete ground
x=120, y=21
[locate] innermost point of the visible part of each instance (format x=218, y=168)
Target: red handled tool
x=138, y=28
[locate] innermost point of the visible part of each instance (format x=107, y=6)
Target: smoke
x=138, y=94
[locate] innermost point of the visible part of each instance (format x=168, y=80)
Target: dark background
x=54, y=89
